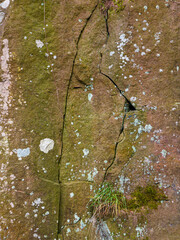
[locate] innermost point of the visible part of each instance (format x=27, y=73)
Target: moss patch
x=149, y=196
x=112, y=5
x=109, y=202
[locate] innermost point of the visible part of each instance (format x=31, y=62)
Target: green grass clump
x=109, y=202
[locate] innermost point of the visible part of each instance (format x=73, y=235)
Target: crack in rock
x=65, y=108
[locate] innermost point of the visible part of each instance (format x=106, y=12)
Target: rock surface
x=94, y=85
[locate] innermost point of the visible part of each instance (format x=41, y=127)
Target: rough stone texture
x=51, y=87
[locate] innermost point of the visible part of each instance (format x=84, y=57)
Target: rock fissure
x=69, y=83
x=107, y=25
x=128, y=102
x=65, y=111
x=127, y=108
x=115, y=152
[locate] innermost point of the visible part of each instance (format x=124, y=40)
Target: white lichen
x=22, y=152
x=5, y=4
x=71, y=195
x=39, y=44
x=2, y=15
x=164, y=153
x=92, y=174
x=76, y=218
x=111, y=53
x=90, y=96
x=46, y=145
x=86, y=152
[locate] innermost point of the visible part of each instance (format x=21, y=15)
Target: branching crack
x=65, y=108
x=127, y=101
x=127, y=107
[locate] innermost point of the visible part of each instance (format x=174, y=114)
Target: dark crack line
x=65, y=109
x=127, y=107
x=107, y=25
x=69, y=83
x=121, y=131
x=131, y=107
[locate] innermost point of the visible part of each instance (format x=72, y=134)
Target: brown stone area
x=89, y=93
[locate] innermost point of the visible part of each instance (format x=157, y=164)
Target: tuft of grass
x=109, y=202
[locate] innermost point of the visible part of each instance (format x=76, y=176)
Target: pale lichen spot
x=92, y=174
x=157, y=7
x=5, y=4
x=71, y=195
x=22, y=152
x=164, y=153
x=111, y=53
x=90, y=97
x=134, y=149
x=46, y=145
x=39, y=44
x=140, y=232
x=2, y=15
x=76, y=218
x=86, y=152
x=133, y=99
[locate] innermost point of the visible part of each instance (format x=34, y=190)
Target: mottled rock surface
x=89, y=92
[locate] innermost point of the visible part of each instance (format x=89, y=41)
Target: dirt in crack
x=65, y=110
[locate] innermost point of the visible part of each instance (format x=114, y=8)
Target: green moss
x=119, y=5
x=150, y=196
x=112, y=5
x=34, y=76
x=108, y=202
x=34, y=89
